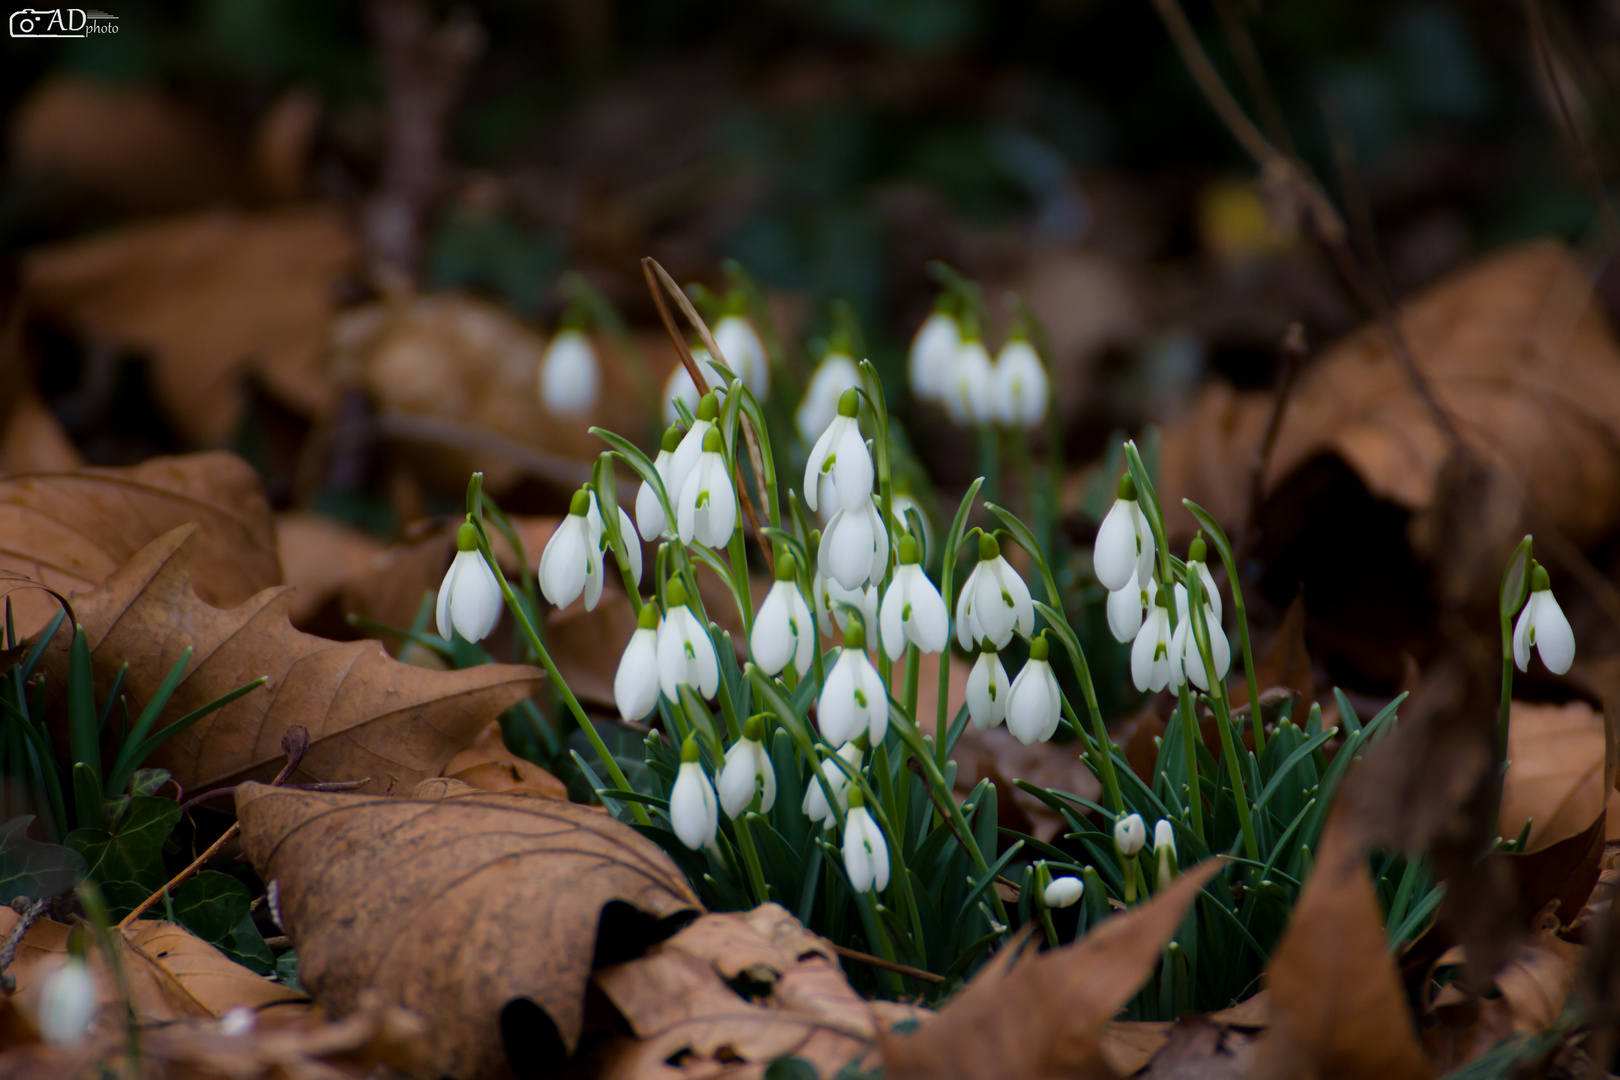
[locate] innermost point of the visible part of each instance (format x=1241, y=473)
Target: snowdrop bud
x=1022, y=393
x=67, y=1004
x=970, y=397
x=1062, y=892
x=815, y=805
x=706, y=511
x=470, y=601
x=1130, y=835
x=635, y=686
x=572, y=561
x=987, y=689
x=1542, y=624
x=1034, y=702
x=740, y=345
x=912, y=609
x=747, y=771
x=853, y=700
x=650, y=520
x=841, y=454
x=685, y=651
x=933, y=352
x=784, y=630
x=1164, y=846
x=569, y=380
x=1124, y=541
x=693, y=810
x=866, y=855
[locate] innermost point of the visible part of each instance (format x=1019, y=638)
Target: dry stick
x=657, y=280
x=1289, y=354
x=319, y=785
x=1241, y=42
x=439, y=431
x=887, y=965
x=295, y=743
x=9, y=950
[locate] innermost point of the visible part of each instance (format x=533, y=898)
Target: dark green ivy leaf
x=126, y=858
x=34, y=869
x=217, y=908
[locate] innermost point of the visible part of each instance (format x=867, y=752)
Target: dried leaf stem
x=887, y=965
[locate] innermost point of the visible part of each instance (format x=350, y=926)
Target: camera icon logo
x=26, y=22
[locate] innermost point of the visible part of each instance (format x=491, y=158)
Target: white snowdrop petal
x=852, y=474
x=1521, y=636
x=441, y=606
x=569, y=379
x=1062, y=892
x=1125, y=611
x=565, y=563
x=737, y=779
x=476, y=602
x=1113, y=556
x=1555, y=641
x=635, y=684
x=690, y=802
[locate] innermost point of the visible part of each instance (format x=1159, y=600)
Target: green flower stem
x=1043, y=878
x=740, y=585
x=750, y=857
x=1190, y=739
x=899, y=878
x=1218, y=536
x=873, y=921
x=1223, y=719
x=947, y=573
x=913, y=672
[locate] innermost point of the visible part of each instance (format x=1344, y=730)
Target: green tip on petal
x=988, y=548
x=672, y=438
x=689, y=749
x=467, y=537
x=1039, y=647
x=708, y=406
x=849, y=402
x=1197, y=551
x=1127, y=488
x=908, y=550
x=855, y=796
x=1539, y=581
x=754, y=728
x=787, y=567
x=855, y=636
x=580, y=504
x=675, y=594
x=712, y=442
x=647, y=619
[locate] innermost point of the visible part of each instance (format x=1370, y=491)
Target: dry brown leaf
x=213, y=297
x=1537, y=982
x=1199, y=1048
x=318, y=557
x=453, y=908
x=34, y=440
x=489, y=766
x=1555, y=779
x=69, y=531
x=1044, y=1015
x=212, y=979
x=1513, y=343
x=690, y=1021
x=368, y=716
x=1337, y=1008
x=1128, y=1045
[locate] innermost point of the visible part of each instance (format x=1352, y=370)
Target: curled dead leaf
x=34, y=440
x=489, y=766
x=1555, y=772
x=458, y=907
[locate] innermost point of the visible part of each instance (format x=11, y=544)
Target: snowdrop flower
x=470, y=599
x=853, y=700
x=747, y=769
x=707, y=509
x=685, y=650
x=650, y=519
x=836, y=373
x=1543, y=625
x=994, y=602
x=681, y=387
x=1062, y=892
x=1130, y=835
x=1185, y=659
x=1150, y=653
x=692, y=807
x=970, y=395
x=784, y=631
x=855, y=546
x=569, y=380
x=1124, y=541
x=627, y=533
x=1022, y=393
x=1125, y=608
x=1034, y=701
x=829, y=594
x=67, y=1004
x=933, y=351
x=740, y=345
x=685, y=456
x=237, y=1021
x=635, y=685
x=815, y=805
x=866, y=855
x=1164, y=846
x=912, y=609
x=572, y=560
x=987, y=689
x=841, y=453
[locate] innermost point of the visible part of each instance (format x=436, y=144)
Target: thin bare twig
x=438, y=431
x=1290, y=352
x=1241, y=42
x=319, y=785
x=887, y=965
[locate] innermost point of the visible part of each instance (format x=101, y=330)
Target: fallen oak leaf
x=1043, y=1015
x=458, y=907
x=1554, y=780
x=489, y=766
x=368, y=715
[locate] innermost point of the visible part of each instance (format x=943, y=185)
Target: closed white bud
x=1063, y=892
x=748, y=772
x=469, y=601
x=866, y=855
x=693, y=810
x=635, y=685
x=569, y=379
x=1130, y=835
x=1022, y=391
x=1542, y=624
x=970, y=394
x=853, y=700
x=1034, y=702
x=68, y=1002
x=572, y=560
x=841, y=454
x=912, y=610
x=784, y=630
x=933, y=352
x=987, y=689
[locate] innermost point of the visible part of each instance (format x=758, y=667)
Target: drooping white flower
x=841, y=453
x=1034, y=702
x=1130, y=834
x=933, y=351
x=572, y=559
x=68, y=1001
x=748, y=770
x=1185, y=659
x=685, y=650
x=994, y=602
x=627, y=532
x=1150, y=652
x=1543, y=625
x=1022, y=391
x=1124, y=541
x=650, y=518
x=784, y=631
x=470, y=601
x=970, y=394
x=685, y=456
x=744, y=352
x=855, y=546
x=829, y=594
x=1164, y=846
x=1126, y=607
x=866, y=854
x=693, y=810
x=987, y=688
x=635, y=684
x=815, y=804
x=680, y=385
x=835, y=374
x=707, y=508
x=912, y=609
x=853, y=700
x=1062, y=892
x=569, y=379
